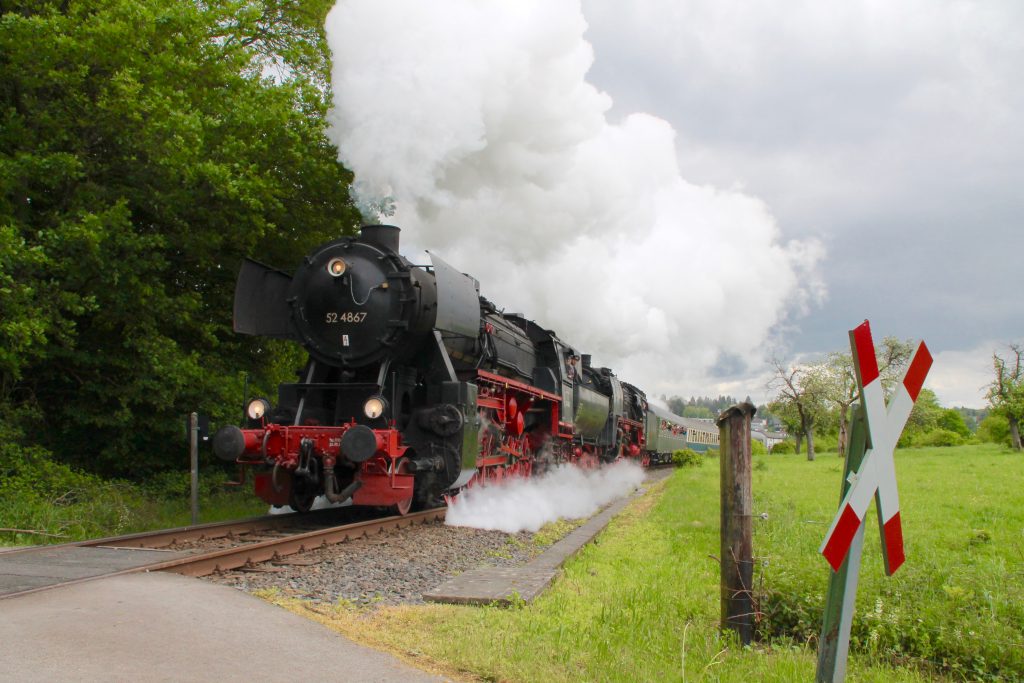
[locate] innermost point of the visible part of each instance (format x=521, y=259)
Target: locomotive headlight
x=336, y=267
x=257, y=408
x=374, y=407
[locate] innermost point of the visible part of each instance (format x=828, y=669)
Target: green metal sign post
x=834, y=643
x=869, y=475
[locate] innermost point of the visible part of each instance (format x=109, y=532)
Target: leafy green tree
x=703, y=407
x=1006, y=392
x=788, y=416
x=952, y=420
x=801, y=399
x=143, y=154
x=994, y=429
x=924, y=418
x=700, y=412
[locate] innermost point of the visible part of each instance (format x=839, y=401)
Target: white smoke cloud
x=565, y=492
x=476, y=119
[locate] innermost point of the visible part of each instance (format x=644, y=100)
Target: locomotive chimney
x=382, y=236
x=586, y=360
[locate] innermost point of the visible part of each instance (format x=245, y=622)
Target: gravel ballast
x=393, y=568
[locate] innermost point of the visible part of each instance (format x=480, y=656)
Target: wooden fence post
x=737, y=560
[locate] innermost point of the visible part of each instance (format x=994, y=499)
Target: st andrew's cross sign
x=870, y=473
x=877, y=474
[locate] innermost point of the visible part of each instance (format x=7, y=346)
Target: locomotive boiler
x=415, y=385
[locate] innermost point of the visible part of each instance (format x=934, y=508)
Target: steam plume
x=565, y=492
x=473, y=123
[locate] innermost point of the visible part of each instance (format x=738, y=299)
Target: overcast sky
x=713, y=182
x=892, y=131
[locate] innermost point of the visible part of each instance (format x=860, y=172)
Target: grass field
x=101, y=509
x=642, y=603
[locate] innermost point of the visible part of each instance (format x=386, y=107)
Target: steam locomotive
x=415, y=385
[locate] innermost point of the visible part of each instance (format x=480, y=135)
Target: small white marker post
x=869, y=473
x=193, y=452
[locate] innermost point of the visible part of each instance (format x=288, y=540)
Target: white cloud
x=959, y=378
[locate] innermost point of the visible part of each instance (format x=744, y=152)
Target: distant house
x=768, y=438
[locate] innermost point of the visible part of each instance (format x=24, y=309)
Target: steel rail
x=164, y=537
x=254, y=553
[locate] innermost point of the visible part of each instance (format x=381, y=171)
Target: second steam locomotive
x=416, y=385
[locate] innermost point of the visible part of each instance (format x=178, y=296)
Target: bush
x=994, y=429
x=757, y=448
x=29, y=472
x=178, y=484
x=940, y=437
x=49, y=501
x=46, y=501
x=783, y=447
x=826, y=442
x=686, y=457
x=953, y=421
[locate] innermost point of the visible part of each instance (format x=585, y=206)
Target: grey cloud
x=891, y=131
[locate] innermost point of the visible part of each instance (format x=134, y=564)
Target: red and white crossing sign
x=877, y=474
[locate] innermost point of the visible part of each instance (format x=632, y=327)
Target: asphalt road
x=166, y=627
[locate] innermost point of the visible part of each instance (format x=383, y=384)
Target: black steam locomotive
x=415, y=384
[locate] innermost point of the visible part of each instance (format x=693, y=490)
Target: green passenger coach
x=667, y=432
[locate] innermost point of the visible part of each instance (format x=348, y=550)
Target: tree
x=841, y=379
x=700, y=412
x=143, y=154
x=926, y=416
x=704, y=407
x=994, y=429
x=786, y=413
x=952, y=420
x=1006, y=391
x=800, y=399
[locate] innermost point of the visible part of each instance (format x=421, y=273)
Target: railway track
x=240, y=531
x=254, y=541
x=289, y=544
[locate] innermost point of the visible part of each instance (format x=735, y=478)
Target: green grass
x=642, y=604
x=957, y=605
x=96, y=509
